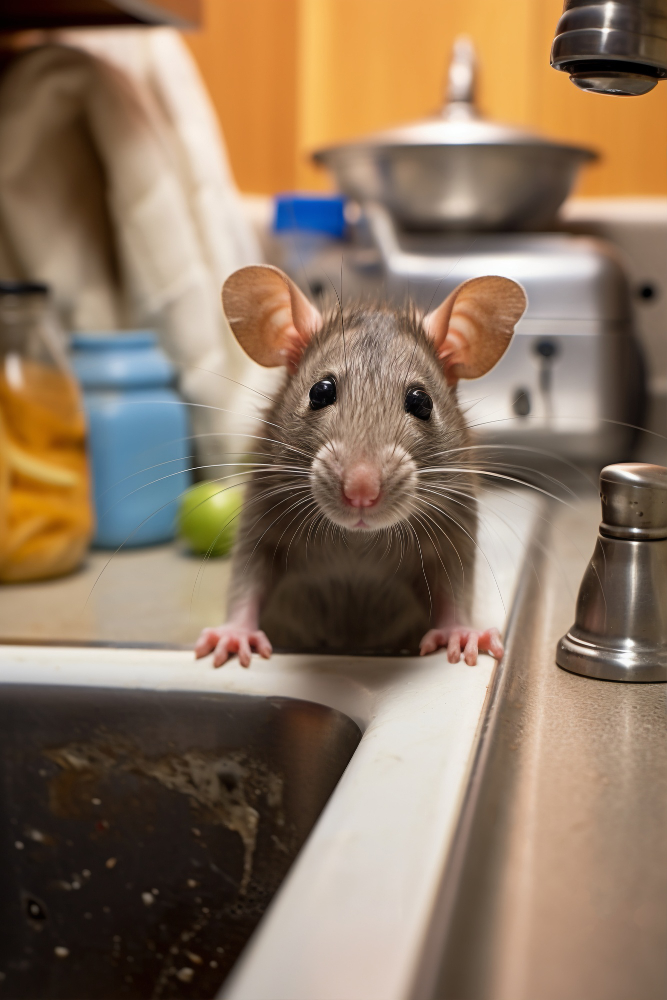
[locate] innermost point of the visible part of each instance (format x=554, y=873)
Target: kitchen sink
x=153, y=807
x=144, y=833
x=498, y=834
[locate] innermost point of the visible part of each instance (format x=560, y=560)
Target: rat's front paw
x=229, y=639
x=456, y=638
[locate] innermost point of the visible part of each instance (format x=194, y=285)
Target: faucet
x=617, y=47
x=620, y=628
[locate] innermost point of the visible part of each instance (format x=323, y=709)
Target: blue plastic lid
x=310, y=213
x=123, y=359
x=114, y=340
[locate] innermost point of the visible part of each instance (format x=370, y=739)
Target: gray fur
x=326, y=587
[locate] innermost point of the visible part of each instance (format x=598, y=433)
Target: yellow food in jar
x=45, y=511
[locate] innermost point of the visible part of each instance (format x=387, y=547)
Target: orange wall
x=247, y=54
x=289, y=75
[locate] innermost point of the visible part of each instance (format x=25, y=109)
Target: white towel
x=115, y=189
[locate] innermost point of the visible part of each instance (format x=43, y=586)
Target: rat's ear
x=272, y=319
x=473, y=327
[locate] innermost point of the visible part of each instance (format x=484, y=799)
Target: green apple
x=208, y=517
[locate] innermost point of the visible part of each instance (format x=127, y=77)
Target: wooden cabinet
x=17, y=15
x=287, y=76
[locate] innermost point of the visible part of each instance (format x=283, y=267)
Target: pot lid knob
x=461, y=80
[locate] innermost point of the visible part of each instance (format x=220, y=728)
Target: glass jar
x=46, y=519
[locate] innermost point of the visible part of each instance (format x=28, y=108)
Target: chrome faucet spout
x=616, y=47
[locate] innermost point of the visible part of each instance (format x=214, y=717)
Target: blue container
x=137, y=436
x=306, y=226
x=324, y=214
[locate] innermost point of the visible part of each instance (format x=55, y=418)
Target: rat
x=358, y=530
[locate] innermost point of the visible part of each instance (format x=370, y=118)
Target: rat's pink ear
x=272, y=319
x=473, y=327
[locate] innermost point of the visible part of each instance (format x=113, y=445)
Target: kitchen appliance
x=620, y=632
x=637, y=227
x=617, y=48
x=456, y=170
x=572, y=375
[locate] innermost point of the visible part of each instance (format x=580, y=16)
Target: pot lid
x=459, y=123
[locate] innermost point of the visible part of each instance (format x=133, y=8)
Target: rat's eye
x=419, y=404
x=323, y=393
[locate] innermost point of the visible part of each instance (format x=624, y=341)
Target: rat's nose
x=361, y=485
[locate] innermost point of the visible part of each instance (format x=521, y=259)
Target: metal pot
x=456, y=170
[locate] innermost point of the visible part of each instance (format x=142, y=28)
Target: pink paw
x=226, y=640
x=456, y=638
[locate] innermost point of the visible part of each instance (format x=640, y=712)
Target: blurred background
x=289, y=76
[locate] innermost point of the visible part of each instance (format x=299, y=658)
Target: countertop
x=155, y=595
x=557, y=887
x=163, y=595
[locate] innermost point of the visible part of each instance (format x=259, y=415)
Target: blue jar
x=138, y=436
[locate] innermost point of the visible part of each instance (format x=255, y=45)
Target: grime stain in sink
x=216, y=786
x=146, y=834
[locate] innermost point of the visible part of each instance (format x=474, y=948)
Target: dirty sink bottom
x=144, y=833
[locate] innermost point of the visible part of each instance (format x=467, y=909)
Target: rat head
x=371, y=392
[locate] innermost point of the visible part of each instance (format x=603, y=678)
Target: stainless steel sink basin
x=144, y=833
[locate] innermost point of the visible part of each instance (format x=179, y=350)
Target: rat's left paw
x=455, y=638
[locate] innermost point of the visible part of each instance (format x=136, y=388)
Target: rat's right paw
x=229, y=639
x=457, y=638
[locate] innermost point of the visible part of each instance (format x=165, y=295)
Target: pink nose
x=361, y=485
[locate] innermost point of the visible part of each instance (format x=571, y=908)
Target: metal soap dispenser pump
x=620, y=631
